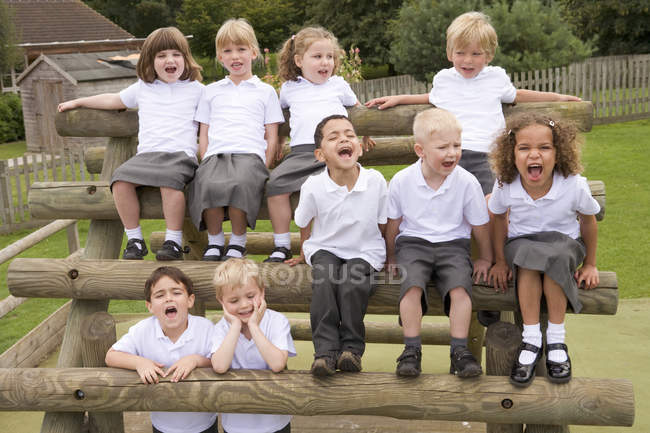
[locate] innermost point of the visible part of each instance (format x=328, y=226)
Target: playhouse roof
x=47, y=21
x=78, y=67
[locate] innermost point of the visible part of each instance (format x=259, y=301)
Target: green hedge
x=12, y=127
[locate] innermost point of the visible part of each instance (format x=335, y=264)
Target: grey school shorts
x=447, y=264
x=477, y=163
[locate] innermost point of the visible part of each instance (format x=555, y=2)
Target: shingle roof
x=90, y=66
x=43, y=21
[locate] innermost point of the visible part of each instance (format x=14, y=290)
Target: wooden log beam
x=286, y=286
x=93, y=200
x=256, y=242
x=85, y=122
x=441, y=397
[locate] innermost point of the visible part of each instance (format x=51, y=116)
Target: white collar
x=446, y=184
x=517, y=189
x=360, y=185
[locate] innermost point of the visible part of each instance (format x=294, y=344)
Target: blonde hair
x=472, y=27
x=235, y=273
x=566, y=141
x=166, y=38
x=432, y=121
x=298, y=44
x=239, y=32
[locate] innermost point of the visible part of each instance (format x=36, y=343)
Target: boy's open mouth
x=345, y=152
x=448, y=164
x=170, y=312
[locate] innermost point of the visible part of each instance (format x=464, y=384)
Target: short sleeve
x=475, y=208
x=284, y=103
x=219, y=334
x=203, y=108
x=586, y=203
x=128, y=342
x=508, y=92
x=394, y=208
x=306, y=209
x=129, y=96
x=382, y=208
x=272, y=109
x=281, y=334
x=348, y=98
x=434, y=94
x=496, y=202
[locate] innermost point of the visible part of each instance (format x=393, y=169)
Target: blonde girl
x=312, y=91
x=544, y=229
x=166, y=95
x=238, y=139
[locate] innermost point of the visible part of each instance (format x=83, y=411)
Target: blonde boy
x=249, y=336
x=171, y=339
x=433, y=208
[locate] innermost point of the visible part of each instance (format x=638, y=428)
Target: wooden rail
x=287, y=286
x=442, y=397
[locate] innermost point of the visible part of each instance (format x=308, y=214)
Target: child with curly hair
x=544, y=228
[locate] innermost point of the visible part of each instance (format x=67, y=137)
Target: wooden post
x=98, y=335
x=73, y=238
x=104, y=242
x=501, y=342
x=197, y=242
x=475, y=338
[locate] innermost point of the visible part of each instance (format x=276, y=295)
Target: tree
x=10, y=53
x=532, y=35
x=362, y=23
x=620, y=27
x=138, y=17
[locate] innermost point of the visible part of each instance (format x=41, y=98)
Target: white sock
x=135, y=233
x=281, y=240
x=532, y=335
x=174, y=235
x=218, y=239
x=555, y=333
x=239, y=240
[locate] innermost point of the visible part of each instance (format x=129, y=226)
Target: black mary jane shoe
x=283, y=250
x=558, y=372
x=241, y=250
x=522, y=374
x=214, y=257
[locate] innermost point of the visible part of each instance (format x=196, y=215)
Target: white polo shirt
x=310, y=103
x=345, y=222
x=556, y=211
x=276, y=329
x=165, y=115
x=440, y=215
x=237, y=115
x=146, y=339
x=476, y=103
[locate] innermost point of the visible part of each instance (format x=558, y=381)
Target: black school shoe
x=463, y=363
x=170, y=250
x=409, y=363
x=323, y=365
x=133, y=252
x=242, y=250
x=283, y=250
x=486, y=318
x=213, y=258
x=558, y=372
x=349, y=361
x=522, y=374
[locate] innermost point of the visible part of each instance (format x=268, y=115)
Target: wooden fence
x=18, y=174
x=618, y=86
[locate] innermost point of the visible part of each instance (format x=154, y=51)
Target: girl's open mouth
x=534, y=171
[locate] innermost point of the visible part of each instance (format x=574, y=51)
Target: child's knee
x=458, y=295
x=412, y=296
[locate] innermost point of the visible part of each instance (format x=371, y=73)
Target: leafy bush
x=532, y=35
x=11, y=118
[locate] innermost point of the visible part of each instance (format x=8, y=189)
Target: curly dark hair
x=566, y=140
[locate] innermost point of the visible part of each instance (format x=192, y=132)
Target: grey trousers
x=340, y=292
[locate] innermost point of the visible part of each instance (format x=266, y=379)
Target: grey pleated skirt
x=552, y=253
x=171, y=170
x=228, y=179
x=293, y=170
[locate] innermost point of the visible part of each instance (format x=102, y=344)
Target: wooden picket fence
x=18, y=174
x=618, y=86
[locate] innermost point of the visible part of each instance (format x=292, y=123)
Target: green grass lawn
x=13, y=149
x=615, y=154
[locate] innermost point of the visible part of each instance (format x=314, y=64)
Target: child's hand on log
x=383, y=102
x=182, y=368
x=499, y=276
x=587, y=274
x=481, y=270
x=149, y=370
x=368, y=143
x=296, y=260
